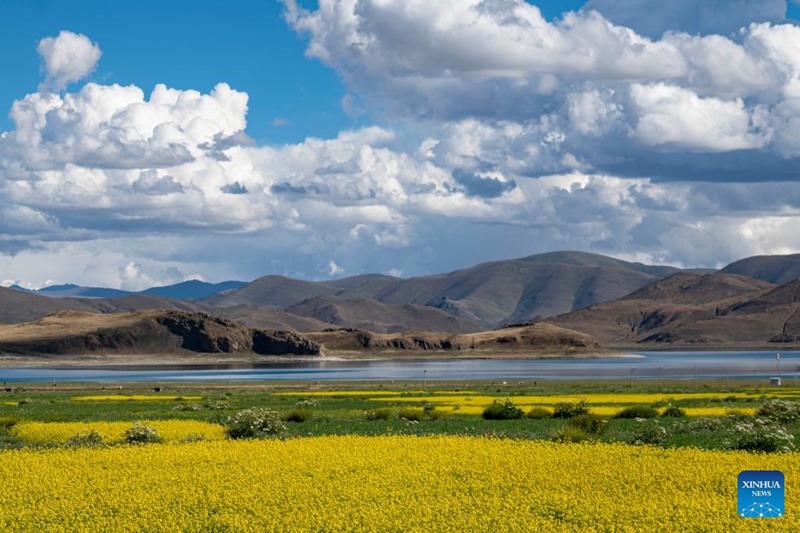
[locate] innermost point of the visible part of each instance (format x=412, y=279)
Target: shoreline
x=209, y=360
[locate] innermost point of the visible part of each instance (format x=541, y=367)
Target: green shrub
x=700, y=424
x=638, y=411
x=570, y=409
x=649, y=432
x=569, y=433
x=673, y=411
x=591, y=424
x=410, y=414
x=379, y=414
x=307, y=403
x=737, y=413
x=762, y=436
x=502, y=410
x=539, y=413
x=187, y=407
x=93, y=439
x=7, y=422
x=141, y=433
x=783, y=411
x=299, y=415
x=254, y=423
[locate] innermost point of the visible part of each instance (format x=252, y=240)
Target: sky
x=148, y=143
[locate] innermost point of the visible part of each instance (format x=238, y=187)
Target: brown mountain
x=372, y=315
x=19, y=306
x=486, y=295
x=271, y=291
x=265, y=317
x=778, y=269
x=688, y=311
x=77, y=332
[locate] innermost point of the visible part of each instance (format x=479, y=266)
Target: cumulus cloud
x=67, y=58
x=583, y=133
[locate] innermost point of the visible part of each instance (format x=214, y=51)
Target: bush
x=187, y=407
x=254, y=423
x=783, y=411
x=7, y=422
x=593, y=425
x=379, y=414
x=701, y=424
x=569, y=433
x=737, y=413
x=92, y=439
x=307, y=403
x=141, y=433
x=638, y=411
x=299, y=415
x=570, y=409
x=762, y=436
x=410, y=414
x=649, y=432
x=673, y=411
x=539, y=413
x=502, y=410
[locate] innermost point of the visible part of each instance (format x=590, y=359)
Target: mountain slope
x=271, y=291
x=193, y=289
x=371, y=315
x=689, y=310
x=75, y=291
x=502, y=292
x=778, y=269
x=486, y=295
x=19, y=306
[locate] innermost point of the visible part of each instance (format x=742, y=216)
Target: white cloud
x=675, y=117
x=67, y=58
x=579, y=134
x=334, y=269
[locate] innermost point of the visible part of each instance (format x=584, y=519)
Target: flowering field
x=61, y=432
x=386, y=483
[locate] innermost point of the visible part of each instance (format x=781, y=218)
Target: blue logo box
x=761, y=494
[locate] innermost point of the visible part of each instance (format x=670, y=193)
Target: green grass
x=340, y=414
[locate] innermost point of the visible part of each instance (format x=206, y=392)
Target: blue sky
x=193, y=45
x=397, y=137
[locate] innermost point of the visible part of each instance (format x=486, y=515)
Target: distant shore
x=13, y=360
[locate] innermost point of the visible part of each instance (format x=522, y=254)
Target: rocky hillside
x=690, y=311
x=76, y=332
x=778, y=269
x=538, y=339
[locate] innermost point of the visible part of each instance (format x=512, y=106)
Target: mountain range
x=618, y=303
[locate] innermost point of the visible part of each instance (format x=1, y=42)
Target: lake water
x=652, y=365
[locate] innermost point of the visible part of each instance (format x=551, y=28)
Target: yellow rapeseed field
x=383, y=484
x=602, y=410
x=60, y=432
x=591, y=398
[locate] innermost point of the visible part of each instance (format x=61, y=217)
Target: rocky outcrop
x=72, y=332
x=205, y=333
x=522, y=339
x=266, y=342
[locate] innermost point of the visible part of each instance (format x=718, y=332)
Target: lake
x=650, y=366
